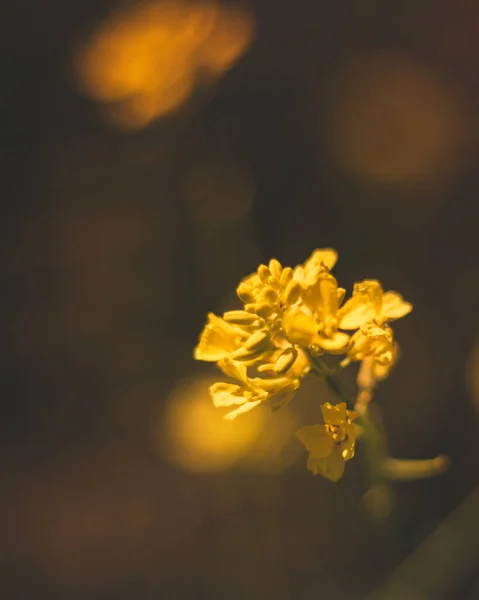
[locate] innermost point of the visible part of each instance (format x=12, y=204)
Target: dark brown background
x=115, y=245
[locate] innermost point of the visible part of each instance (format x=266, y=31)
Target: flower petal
x=363, y=306
x=337, y=343
x=233, y=369
x=301, y=328
x=218, y=339
x=227, y=394
x=317, y=440
x=327, y=256
x=246, y=407
x=394, y=306
x=334, y=414
x=335, y=465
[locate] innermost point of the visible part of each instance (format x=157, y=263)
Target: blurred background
x=153, y=154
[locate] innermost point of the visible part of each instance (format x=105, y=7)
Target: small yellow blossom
x=250, y=391
x=220, y=338
x=376, y=338
x=373, y=340
x=269, y=290
x=317, y=322
x=289, y=318
x=331, y=444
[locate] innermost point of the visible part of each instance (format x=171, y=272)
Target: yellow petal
x=335, y=465
x=394, y=306
x=273, y=385
x=218, y=339
x=328, y=290
x=227, y=394
x=299, y=274
x=301, y=328
x=316, y=440
x=327, y=256
x=363, y=306
x=317, y=466
x=337, y=343
x=232, y=368
x=246, y=407
x=334, y=414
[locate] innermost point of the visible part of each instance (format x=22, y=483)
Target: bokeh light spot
x=144, y=61
x=193, y=434
x=392, y=120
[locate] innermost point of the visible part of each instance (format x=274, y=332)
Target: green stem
x=322, y=370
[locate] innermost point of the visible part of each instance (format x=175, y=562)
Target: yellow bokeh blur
x=193, y=435
x=392, y=120
x=144, y=61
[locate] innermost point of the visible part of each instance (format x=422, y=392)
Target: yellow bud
x=246, y=354
x=260, y=308
x=286, y=360
x=269, y=296
x=264, y=273
x=274, y=283
x=265, y=367
x=286, y=276
x=259, y=340
x=240, y=317
x=245, y=293
x=292, y=293
x=275, y=267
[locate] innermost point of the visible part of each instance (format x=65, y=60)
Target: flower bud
x=269, y=296
x=264, y=273
x=245, y=293
x=286, y=276
x=274, y=283
x=260, y=308
x=285, y=360
x=240, y=317
x=259, y=340
x=292, y=293
x=245, y=354
x=275, y=267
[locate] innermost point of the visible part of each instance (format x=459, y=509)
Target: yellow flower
x=318, y=320
x=376, y=338
x=221, y=338
x=373, y=340
x=250, y=392
x=331, y=444
x=269, y=290
x=320, y=259
x=218, y=339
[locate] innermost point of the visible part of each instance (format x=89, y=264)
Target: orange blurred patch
x=145, y=61
x=193, y=434
x=395, y=121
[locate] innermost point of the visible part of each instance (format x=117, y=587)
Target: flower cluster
x=290, y=318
